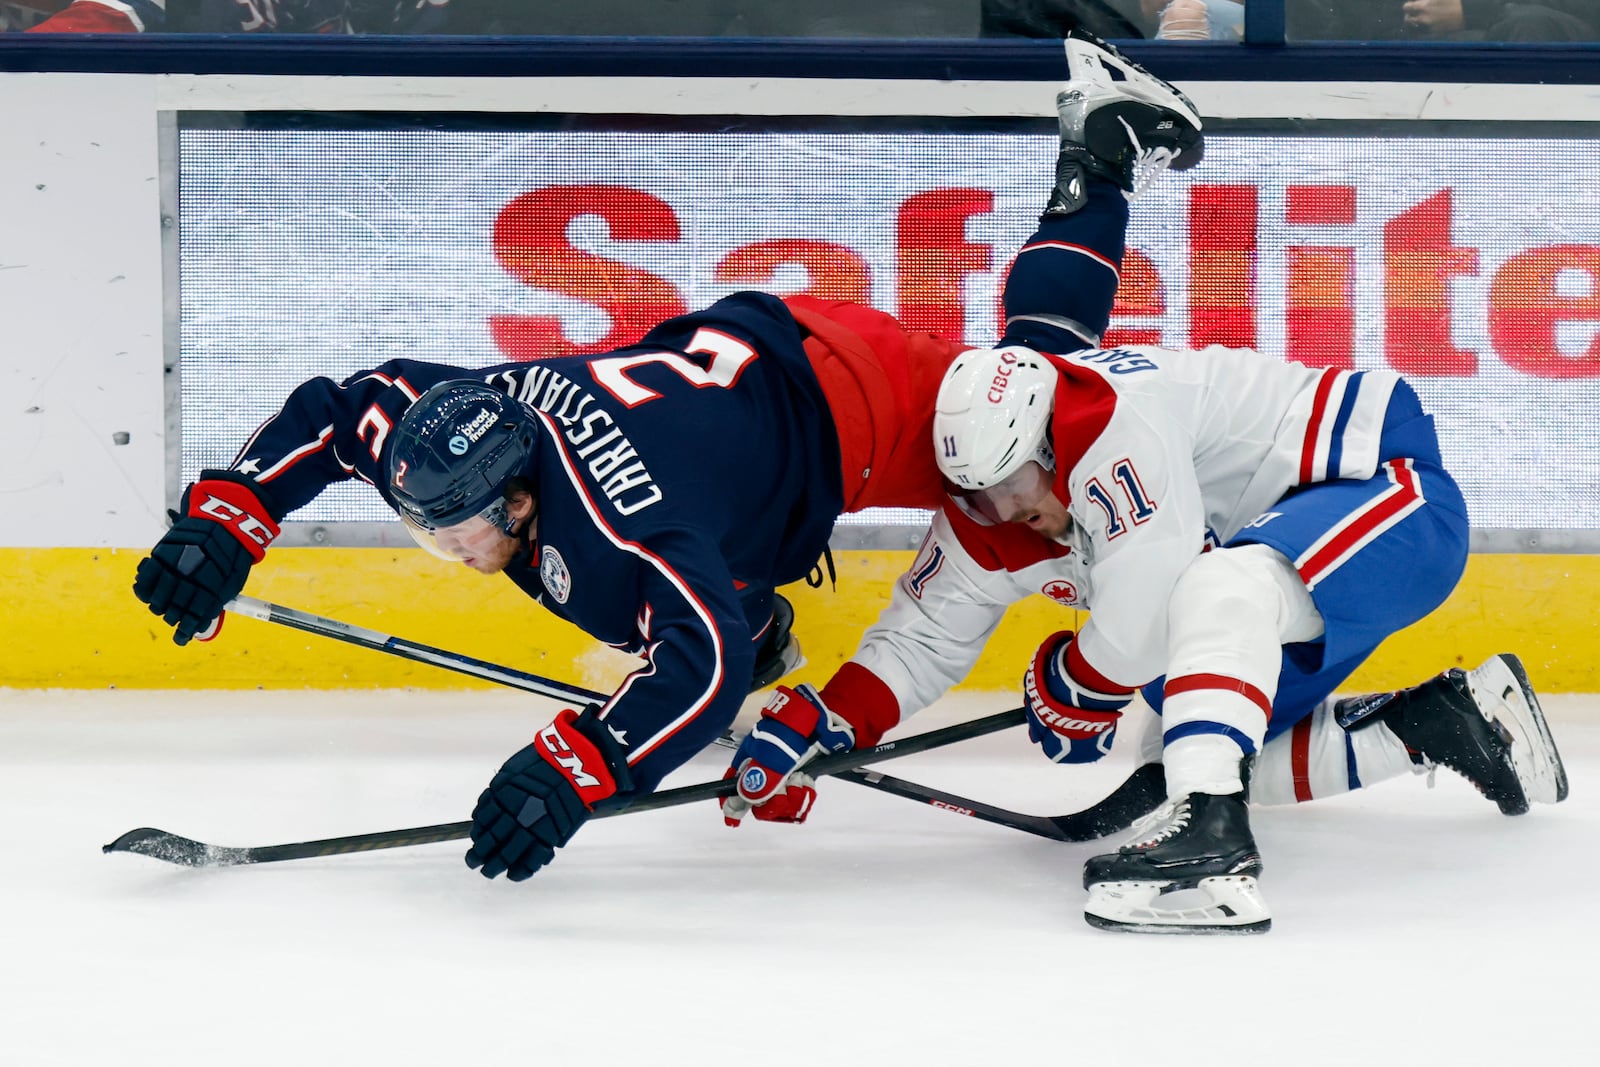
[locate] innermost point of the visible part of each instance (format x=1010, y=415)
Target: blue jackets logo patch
x=553, y=573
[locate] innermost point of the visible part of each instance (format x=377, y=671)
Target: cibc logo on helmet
x=1002, y=375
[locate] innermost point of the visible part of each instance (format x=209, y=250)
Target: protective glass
x=1017, y=495
x=469, y=539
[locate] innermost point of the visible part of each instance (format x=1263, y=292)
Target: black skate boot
x=1191, y=868
x=779, y=651
x=1486, y=725
x=1118, y=122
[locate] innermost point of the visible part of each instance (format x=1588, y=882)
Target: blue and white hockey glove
x=795, y=727
x=1071, y=723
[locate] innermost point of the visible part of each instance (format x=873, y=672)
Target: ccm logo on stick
x=951, y=807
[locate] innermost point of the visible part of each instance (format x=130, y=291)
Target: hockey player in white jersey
x=1245, y=532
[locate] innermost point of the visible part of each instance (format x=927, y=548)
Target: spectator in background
x=1172, y=20
x=1054, y=18
x=1443, y=20
x=1196, y=20
x=312, y=16
x=231, y=16
x=1500, y=20
x=83, y=16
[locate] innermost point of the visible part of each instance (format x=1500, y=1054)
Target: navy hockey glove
x=203, y=561
x=794, y=727
x=543, y=794
x=1073, y=724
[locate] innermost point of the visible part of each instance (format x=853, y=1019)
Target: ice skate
x=1118, y=122
x=1191, y=868
x=1485, y=724
x=779, y=652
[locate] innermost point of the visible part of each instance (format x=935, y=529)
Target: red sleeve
x=89, y=16
x=1083, y=674
x=864, y=701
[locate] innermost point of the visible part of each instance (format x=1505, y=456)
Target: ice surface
x=1411, y=926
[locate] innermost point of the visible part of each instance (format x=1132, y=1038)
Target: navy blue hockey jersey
x=680, y=480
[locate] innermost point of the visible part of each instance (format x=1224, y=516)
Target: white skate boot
x=1119, y=122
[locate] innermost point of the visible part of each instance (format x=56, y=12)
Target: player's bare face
x=1048, y=518
x=483, y=544
x=1024, y=498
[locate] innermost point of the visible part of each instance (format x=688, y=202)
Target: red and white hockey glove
x=795, y=727
x=202, y=562
x=1072, y=723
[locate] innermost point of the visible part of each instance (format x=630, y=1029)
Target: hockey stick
x=1114, y=813
x=251, y=608
x=1144, y=789
x=186, y=852
x=1141, y=793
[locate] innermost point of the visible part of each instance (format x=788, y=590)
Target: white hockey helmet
x=992, y=415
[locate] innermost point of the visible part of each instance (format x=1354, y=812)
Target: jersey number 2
x=728, y=358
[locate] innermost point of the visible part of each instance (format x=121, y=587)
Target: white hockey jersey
x=1159, y=455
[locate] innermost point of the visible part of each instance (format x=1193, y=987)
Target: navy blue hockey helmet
x=455, y=450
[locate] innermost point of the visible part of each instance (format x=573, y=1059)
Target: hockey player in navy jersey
x=1245, y=532
x=657, y=495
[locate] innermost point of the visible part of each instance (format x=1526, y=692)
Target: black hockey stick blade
x=1143, y=791
x=186, y=852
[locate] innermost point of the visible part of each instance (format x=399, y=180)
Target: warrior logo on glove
x=1071, y=722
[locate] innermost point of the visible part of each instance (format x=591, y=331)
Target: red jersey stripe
x=1068, y=247
x=1300, y=759
x=1319, y=409
x=1363, y=524
x=1192, y=683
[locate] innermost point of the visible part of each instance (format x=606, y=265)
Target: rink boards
x=70, y=622
x=1278, y=240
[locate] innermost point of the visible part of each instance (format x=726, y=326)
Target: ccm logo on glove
x=235, y=507
x=561, y=753
x=243, y=523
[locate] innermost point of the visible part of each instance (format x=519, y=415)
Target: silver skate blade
x=1503, y=693
x=1230, y=904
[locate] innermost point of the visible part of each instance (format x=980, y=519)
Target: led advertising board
x=1472, y=266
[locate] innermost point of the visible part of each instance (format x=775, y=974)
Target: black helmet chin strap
x=526, y=536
